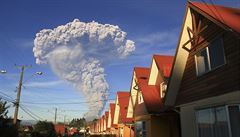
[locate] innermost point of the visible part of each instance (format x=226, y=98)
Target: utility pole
x=18, y=96
x=55, y=119
x=19, y=90
x=64, y=121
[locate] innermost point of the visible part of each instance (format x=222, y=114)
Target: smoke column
x=76, y=52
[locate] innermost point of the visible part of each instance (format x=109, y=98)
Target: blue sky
x=154, y=25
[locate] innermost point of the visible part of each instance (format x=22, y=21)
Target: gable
x=217, y=80
x=123, y=98
x=140, y=75
x=160, y=69
x=102, y=123
x=179, y=62
x=116, y=111
x=182, y=52
x=154, y=78
x=106, y=120
x=109, y=123
x=111, y=115
x=132, y=98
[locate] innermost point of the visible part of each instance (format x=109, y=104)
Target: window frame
x=143, y=122
x=140, y=98
x=208, y=57
x=214, y=107
x=163, y=87
x=121, y=132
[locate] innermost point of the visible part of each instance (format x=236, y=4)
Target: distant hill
x=28, y=122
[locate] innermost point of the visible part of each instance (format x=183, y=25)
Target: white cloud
x=44, y=84
x=77, y=52
x=160, y=39
x=163, y=42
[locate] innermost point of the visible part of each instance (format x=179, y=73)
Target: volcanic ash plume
x=77, y=52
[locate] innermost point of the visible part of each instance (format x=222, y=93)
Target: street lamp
x=19, y=90
x=3, y=71
x=18, y=94
x=39, y=73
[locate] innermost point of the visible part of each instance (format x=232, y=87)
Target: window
x=163, y=89
x=234, y=116
x=121, y=132
x=219, y=122
x=140, y=129
x=210, y=57
x=140, y=98
x=202, y=62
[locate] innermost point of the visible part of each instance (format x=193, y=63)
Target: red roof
x=106, y=116
x=123, y=98
x=60, y=128
x=102, y=122
x=164, y=63
x=151, y=97
x=142, y=74
x=112, y=108
x=226, y=15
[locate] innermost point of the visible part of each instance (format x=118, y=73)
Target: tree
x=79, y=123
x=7, y=129
x=3, y=109
x=44, y=129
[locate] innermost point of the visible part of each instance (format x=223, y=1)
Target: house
x=106, y=130
x=204, y=85
x=124, y=124
x=60, y=129
x=99, y=126
x=102, y=124
x=152, y=118
x=139, y=76
x=104, y=121
x=90, y=127
x=93, y=129
x=112, y=127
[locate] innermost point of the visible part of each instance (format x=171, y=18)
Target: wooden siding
x=140, y=109
x=222, y=80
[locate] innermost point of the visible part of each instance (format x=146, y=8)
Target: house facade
x=106, y=130
x=124, y=124
x=112, y=127
x=205, y=81
x=151, y=118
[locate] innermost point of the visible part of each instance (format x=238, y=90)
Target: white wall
x=132, y=98
x=116, y=114
x=187, y=111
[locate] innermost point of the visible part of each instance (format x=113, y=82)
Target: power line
x=28, y=113
x=7, y=99
x=61, y=110
x=6, y=95
x=71, y=102
x=32, y=112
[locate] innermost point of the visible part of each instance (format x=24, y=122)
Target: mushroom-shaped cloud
x=76, y=52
